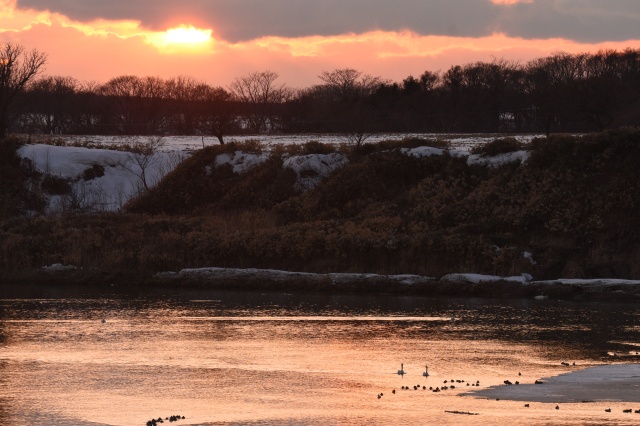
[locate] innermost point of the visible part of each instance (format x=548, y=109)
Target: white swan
x=426, y=371
x=541, y=297
x=401, y=371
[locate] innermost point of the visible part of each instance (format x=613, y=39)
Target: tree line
x=559, y=93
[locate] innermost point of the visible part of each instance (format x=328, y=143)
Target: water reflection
x=262, y=358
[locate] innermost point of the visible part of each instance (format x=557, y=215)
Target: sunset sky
x=218, y=40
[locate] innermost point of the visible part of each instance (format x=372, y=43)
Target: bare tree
x=350, y=90
x=218, y=114
x=259, y=93
x=186, y=95
x=17, y=68
x=348, y=82
x=142, y=158
x=52, y=103
x=137, y=103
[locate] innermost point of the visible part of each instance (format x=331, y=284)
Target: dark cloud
x=588, y=21
x=237, y=20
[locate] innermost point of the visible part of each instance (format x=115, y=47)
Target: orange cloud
x=100, y=50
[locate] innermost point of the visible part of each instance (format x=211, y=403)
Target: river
x=72, y=356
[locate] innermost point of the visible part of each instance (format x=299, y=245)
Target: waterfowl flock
x=170, y=419
x=450, y=384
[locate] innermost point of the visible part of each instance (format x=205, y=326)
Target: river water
x=77, y=357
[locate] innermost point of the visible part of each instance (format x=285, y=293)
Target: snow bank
x=311, y=168
x=278, y=275
x=428, y=151
x=338, y=278
x=499, y=160
x=476, y=159
x=479, y=278
x=122, y=178
x=613, y=383
x=59, y=267
x=240, y=161
x=591, y=283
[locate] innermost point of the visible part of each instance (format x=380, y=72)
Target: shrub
x=93, y=172
x=498, y=146
x=55, y=186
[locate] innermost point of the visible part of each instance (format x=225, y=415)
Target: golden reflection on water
x=61, y=365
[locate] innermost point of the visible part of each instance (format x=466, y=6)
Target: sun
x=182, y=39
x=187, y=35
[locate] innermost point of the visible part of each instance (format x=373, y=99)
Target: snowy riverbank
x=451, y=285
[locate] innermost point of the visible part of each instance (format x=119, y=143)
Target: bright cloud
x=182, y=39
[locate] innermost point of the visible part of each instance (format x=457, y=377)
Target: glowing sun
x=187, y=35
x=185, y=38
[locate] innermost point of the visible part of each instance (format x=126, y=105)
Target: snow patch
x=240, y=161
x=594, y=282
x=499, y=160
x=121, y=180
x=279, y=275
x=479, y=278
x=429, y=151
x=529, y=256
x=312, y=168
x=59, y=267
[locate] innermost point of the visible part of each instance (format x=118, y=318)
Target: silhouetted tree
x=218, y=113
x=52, y=101
x=17, y=68
x=259, y=95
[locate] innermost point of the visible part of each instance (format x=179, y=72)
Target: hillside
x=568, y=208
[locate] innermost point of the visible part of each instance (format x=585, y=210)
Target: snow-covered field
x=191, y=143
x=123, y=175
